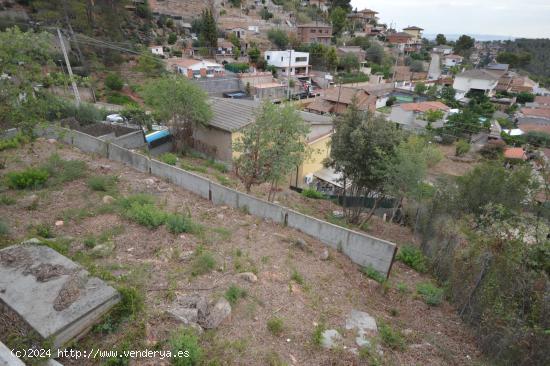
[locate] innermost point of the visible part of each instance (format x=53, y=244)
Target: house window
x=312, y=30
x=281, y=58
x=267, y=57
x=300, y=59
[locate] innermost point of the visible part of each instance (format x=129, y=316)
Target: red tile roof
x=542, y=99
x=536, y=112
x=515, y=153
x=424, y=106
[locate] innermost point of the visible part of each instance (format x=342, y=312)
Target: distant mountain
x=478, y=37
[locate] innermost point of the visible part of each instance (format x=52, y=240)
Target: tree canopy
x=271, y=147
x=180, y=103
x=440, y=39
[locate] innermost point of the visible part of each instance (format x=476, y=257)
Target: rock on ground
x=365, y=325
x=330, y=338
x=248, y=276
x=216, y=314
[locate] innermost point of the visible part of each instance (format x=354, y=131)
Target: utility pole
x=75, y=88
x=288, y=72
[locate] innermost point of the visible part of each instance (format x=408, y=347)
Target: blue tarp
x=157, y=135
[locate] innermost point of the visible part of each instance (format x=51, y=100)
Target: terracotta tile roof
x=536, y=112
x=414, y=27
x=515, y=153
x=314, y=25
x=535, y=127
x=424, y=106
x=542, y=99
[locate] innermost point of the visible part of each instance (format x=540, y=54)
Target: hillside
x=273, y=320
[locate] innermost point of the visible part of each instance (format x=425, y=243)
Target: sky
x=515, y=18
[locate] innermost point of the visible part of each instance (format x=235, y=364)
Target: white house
x=443, y=49
x=476, y=79
x=298, y=62
x=196, y=68
x=157, y=50
x=452, y=60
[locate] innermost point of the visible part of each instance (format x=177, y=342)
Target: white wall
x=465, y=84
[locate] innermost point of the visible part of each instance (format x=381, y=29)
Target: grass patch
x=369, y=354
x=146, y=214
x=7, y=200
x=102, y=183
x=131, y=305
x=62, y=171
x=234, y=293
x=59, y=245
x=185, y=340
x=431, y=294
x=317, y=335
x=27, y=179
x=4, y=229
x=44, y=231
x=373, y=274
x=194, y=168
x=402, y=288
x=169, y=158
x=224, y=181
x=203, y=262
x=272, y=358
x=275, y=325
x=312, y=193
x=90, y=242
x=412, y=257
x=220, y=167
x=297, y=277
x=390, y=337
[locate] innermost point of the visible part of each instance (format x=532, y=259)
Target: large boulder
x=216, y=314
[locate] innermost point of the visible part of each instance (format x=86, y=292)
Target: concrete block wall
x=362, y=249
x=132, y=140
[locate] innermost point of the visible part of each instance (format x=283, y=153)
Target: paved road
x=435, y=69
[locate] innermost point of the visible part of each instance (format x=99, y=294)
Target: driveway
x=435, y=69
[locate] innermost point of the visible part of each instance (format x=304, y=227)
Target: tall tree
x=464, y=44
x=271, y=147
x=342, y=4
x=339, y=20
x=363, y=150
x=180, y=103
x=208, y=31
x=440, y=39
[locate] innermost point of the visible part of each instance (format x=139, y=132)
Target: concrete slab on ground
x=52, y=294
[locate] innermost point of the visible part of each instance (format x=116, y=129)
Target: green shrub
x=224, y=181
x=194, y=168
x=169, y=158
x=462, y=147
x=28, y=178
x=120, y=99
x=146, y=214
x=130, y=306
x=102, y=183
x=431, y=294
x=373, y=274
x=178, y=223
x=90, y=241
x=13, y=142
x=390, y=337
x=185, y=340
x=203, y=262
x=275, y=325
x=237, y=67
x=312, y=193
x=412, y=257
x=114, y=82
x=44, y=231
x=234, y=293
x=139, y=198
x=62, y=171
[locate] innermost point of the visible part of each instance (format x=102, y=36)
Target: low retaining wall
x=362, y=249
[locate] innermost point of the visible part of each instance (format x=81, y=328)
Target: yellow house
x=232, y=115
x=415, y=32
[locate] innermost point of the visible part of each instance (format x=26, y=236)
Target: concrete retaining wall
x=89, y=143
x=138, y=161
x=182, y=178
x=132, y=140
x=362, y=249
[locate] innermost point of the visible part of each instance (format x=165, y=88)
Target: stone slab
x=55, y=296
x=7, y=358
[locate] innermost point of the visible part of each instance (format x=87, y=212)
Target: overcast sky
x=517, y=18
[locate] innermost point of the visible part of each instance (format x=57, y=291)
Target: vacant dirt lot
x=294, y=284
